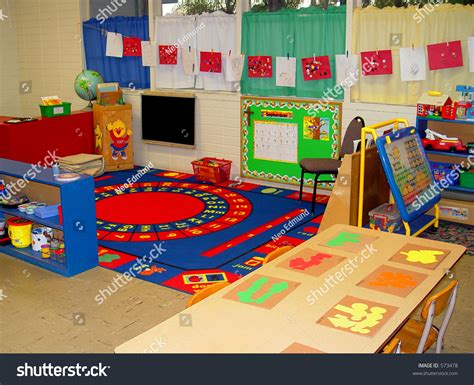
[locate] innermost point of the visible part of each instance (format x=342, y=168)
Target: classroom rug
x=168, y=228
x=455, y=233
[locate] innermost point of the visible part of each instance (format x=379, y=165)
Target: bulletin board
x=278, y=133
x=408, y=172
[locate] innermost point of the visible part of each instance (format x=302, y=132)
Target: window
x=108, y=8
x=276, y=5
x=401, y=3
x=197, y=7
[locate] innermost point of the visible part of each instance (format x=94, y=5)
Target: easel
x=372, y=130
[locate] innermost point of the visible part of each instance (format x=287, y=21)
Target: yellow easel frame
x=372, y=130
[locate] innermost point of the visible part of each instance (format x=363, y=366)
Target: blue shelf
x=461, y=189
x=445, y=120
x=446, y=153
x=28, y=255
x=52, y=222
x=27, y=171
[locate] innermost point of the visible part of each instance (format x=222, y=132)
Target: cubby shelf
x=78, y=206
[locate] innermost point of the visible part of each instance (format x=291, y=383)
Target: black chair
x=321, y=166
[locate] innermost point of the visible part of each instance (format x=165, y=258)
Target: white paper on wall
x=347, y=73
x=114, y=46
x=470, y=48
x=285, y=71
x=276, y=141
x=412, y=64
x=189, y=61
x=233, y=67
x=148, y=54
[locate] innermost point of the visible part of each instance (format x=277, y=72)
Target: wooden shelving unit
x=457, y=203
x=79, y=220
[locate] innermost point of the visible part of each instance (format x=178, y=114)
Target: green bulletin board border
x=289, y=104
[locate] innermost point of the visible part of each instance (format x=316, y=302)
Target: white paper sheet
x=412, y=64
x=149, y=52
x=347, y=73
x=285, y=71
x=470, y=48
x=233, y=67
x=114, y=45
x=189, y=61
x=276, y=141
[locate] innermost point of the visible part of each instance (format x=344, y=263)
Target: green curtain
x=299, y=33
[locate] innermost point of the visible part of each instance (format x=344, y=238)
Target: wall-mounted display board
x=278, y=133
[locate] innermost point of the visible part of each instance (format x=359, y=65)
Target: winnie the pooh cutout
x=120, y=137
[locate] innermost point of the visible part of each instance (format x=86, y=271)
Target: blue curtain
x=128, y=71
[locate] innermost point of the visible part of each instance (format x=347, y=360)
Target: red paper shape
x=444, y=55
x=260, y=66
x=132, y=46
x=211, y=62
x=376, y=62
x=168, y=54
x=315, y=68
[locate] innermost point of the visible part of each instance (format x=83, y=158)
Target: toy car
x=470, y=148
x=439, y=142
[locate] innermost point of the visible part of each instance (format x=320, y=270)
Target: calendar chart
x=278, y=133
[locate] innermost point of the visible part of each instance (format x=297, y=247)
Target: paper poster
x=285, y=71
x=260, y=67
x=148, y=54
x=233, y=67
x=189, y=61
x=376, y=62
x=114, y=46
x=210, y=62
x=412, y=64
x=132, y=46
x=316, y=68
x=444, y=55
x=315, y=128
x=347, y=72
x=470, y=48
x=168, y=54
x=276, y=141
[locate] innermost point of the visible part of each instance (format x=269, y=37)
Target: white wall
x=9, y=86
x=47, y=51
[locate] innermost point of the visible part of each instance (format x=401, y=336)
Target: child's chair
x=418, y=336
x=393, y=347
x=276, y=253
x=206, y=292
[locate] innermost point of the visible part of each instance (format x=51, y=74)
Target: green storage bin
x=58, y=110
x=467, y=180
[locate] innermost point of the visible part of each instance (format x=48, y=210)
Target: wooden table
x=300, y=308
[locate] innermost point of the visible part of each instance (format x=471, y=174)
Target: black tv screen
x=168, y=119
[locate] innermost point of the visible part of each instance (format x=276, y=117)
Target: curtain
x=218, y=35
x=128, y=71
x=179, y=30
x=301, y=33
x=371, y=31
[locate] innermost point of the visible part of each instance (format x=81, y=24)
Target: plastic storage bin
x=212, y=169
x=58, y=110
x=386, y=218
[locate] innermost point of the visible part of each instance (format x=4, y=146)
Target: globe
x=85, y=85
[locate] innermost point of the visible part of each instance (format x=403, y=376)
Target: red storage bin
x=212, y=169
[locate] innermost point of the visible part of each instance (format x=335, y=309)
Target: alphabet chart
x=276, y=141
